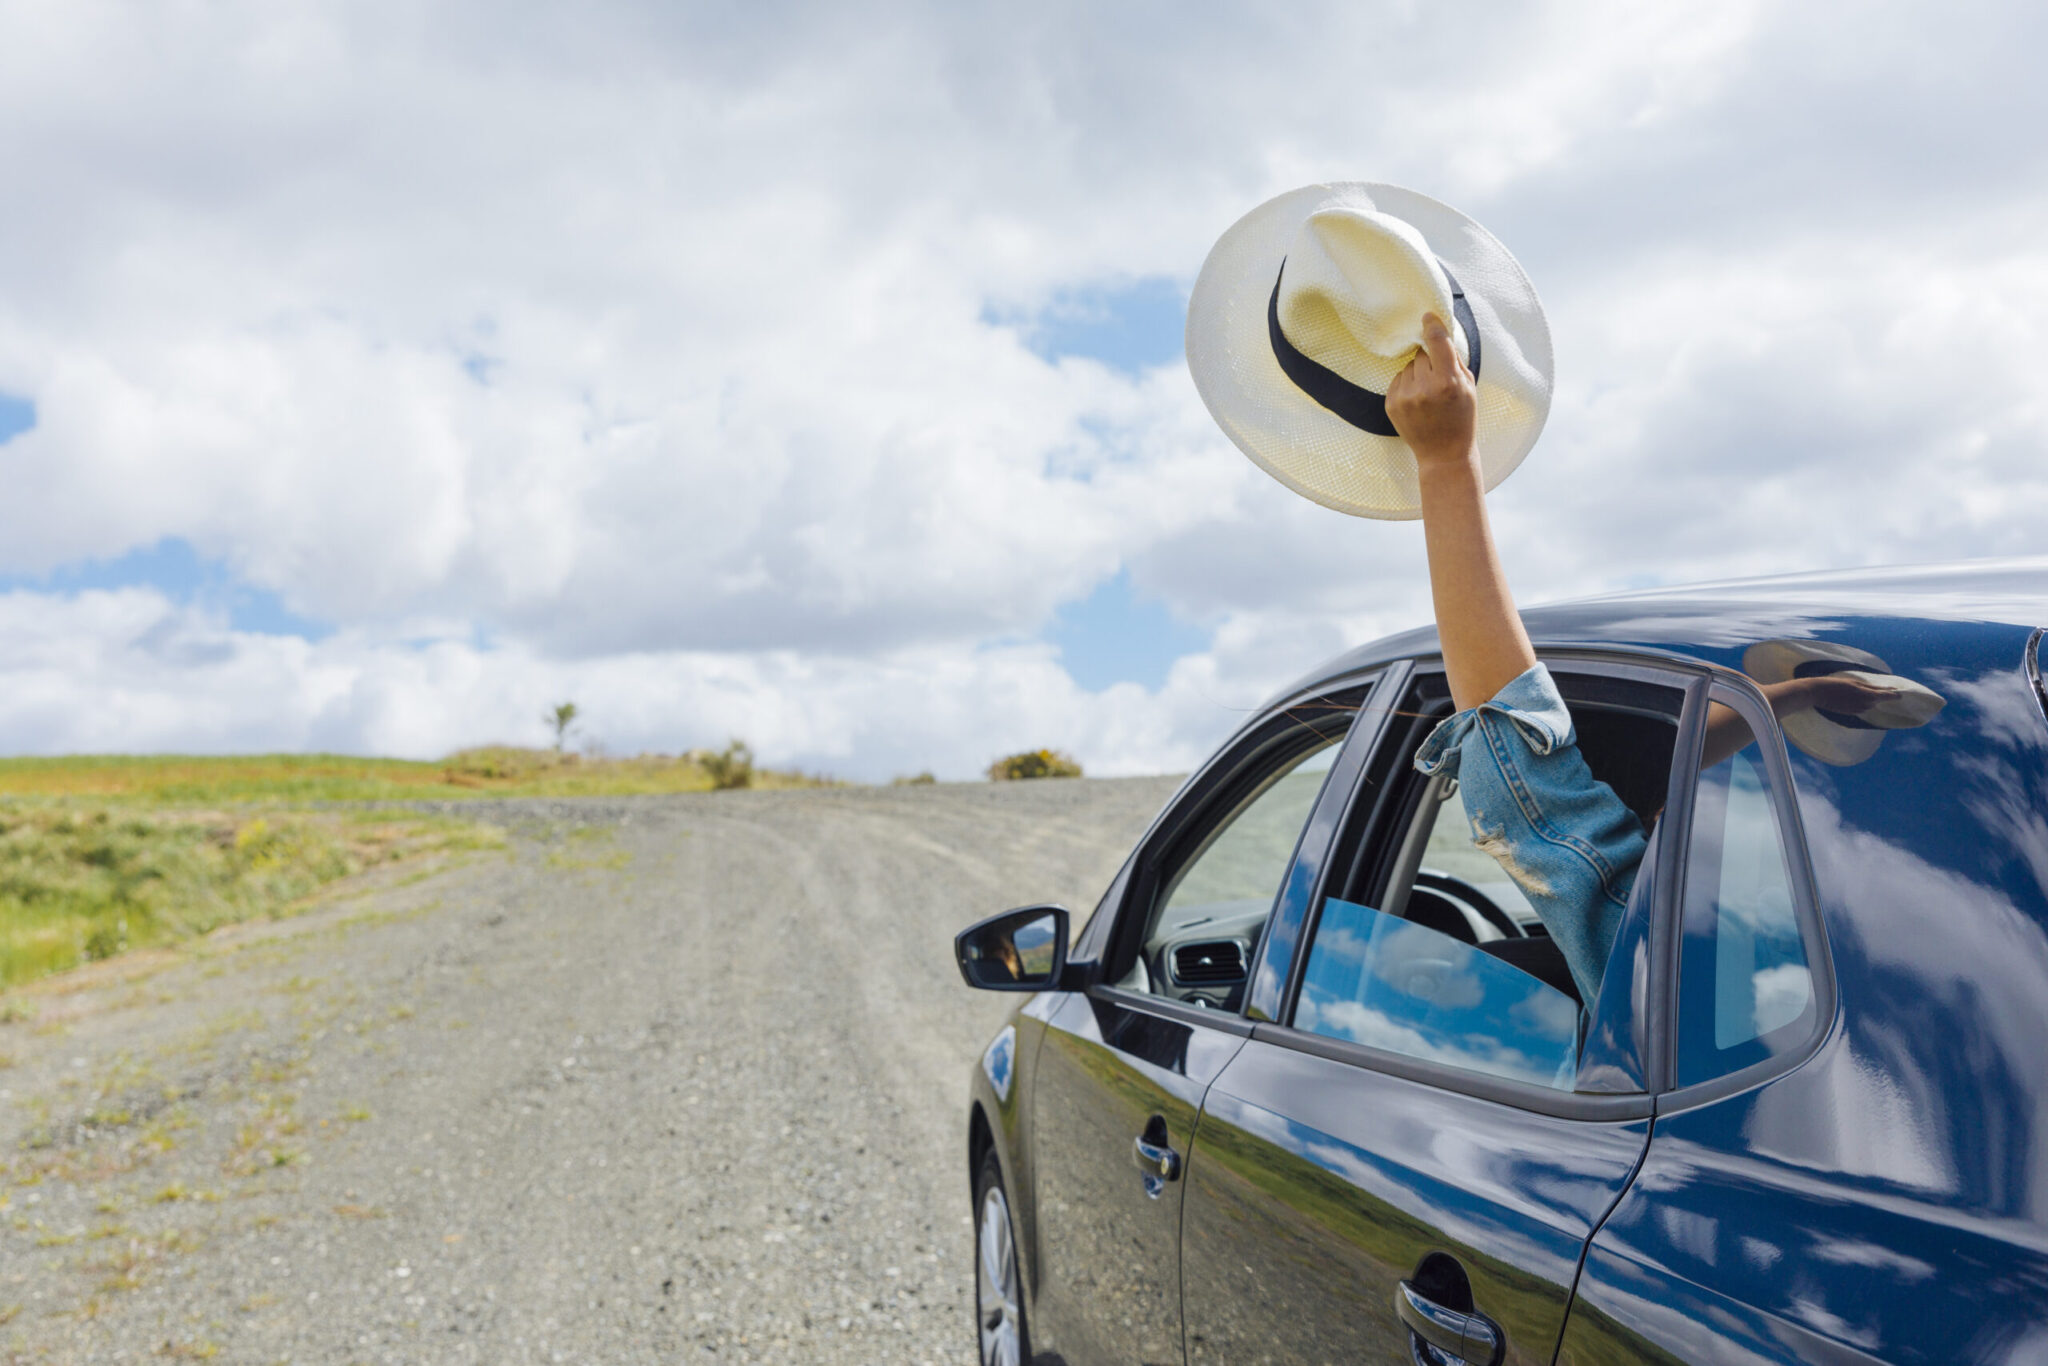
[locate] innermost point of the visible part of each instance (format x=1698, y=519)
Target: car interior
x=1209, y=915
x=1437, y=877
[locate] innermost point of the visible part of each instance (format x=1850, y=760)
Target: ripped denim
x=1568, y=842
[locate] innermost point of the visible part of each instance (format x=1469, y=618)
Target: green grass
x=84, y=882
x=499, y=771
x=104, y=853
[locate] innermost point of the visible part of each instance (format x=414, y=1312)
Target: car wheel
x=998, y=1286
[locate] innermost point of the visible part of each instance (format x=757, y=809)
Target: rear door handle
x=1468, y=1339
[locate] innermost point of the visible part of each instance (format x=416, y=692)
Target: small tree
x=562, y=716
x=1033, y=763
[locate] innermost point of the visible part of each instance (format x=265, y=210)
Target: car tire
x=999, y=1328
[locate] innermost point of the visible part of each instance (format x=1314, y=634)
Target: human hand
x=1433, y=403
x=1843, y=693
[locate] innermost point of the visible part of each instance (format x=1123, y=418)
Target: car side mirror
x=1020, y=950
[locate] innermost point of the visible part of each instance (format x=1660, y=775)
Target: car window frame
x=1272, y=969
x=1783, y=791
x=1127, y=906
x=2037, y=644
x=1389, y=804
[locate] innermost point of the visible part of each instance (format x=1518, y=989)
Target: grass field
x=103, y=853
x=184, y=780
x=84, y=882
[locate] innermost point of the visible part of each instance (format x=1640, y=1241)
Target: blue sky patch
x=1113, y=636
x=17, y=415
x=1129, y=325
x=180, y=573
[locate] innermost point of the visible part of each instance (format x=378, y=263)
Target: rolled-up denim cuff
x=1530, y=701
x=1439, y=753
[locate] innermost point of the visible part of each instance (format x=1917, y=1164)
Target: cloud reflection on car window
x=1388, y=983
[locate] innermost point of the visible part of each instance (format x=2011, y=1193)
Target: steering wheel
x=1445, y=885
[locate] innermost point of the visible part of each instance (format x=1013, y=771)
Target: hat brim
x=1303, y=444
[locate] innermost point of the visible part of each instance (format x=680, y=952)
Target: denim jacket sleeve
x=1568, y=842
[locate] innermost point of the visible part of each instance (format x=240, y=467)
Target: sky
x=374, y=375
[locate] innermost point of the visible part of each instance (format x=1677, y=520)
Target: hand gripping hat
x=1312, y=303
x=1832, y=737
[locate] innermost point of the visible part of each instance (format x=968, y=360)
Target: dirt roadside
x=674, y=1076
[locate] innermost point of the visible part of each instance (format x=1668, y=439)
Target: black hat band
x=1359, y=406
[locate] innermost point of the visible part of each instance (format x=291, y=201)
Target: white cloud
x=129, y=670
x=649, y=344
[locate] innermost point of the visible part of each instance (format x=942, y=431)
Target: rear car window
x=1746, y=990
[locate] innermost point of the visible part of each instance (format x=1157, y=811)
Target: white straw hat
x=1838, y=738
x=1310, y=305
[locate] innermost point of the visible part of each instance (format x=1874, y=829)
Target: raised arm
x=1522, y=779
x=1432, y=405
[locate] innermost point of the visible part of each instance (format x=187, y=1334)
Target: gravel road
x=671, y=1079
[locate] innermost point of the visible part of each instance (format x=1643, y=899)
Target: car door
x=1125, y=1062
x=1405, y=1160
x=1849, y=1164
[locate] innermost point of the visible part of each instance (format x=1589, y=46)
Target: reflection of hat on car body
x=1384, y=355
x=1835, y=737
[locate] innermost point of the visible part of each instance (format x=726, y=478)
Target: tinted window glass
x=1393, y=984
x=1745, y=989
x=1198, y=944
x=1243, y=862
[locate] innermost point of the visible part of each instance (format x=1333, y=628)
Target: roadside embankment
x=102, y=854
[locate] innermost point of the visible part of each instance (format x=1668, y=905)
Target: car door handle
x=1156, y=1160
x=1468, y=1338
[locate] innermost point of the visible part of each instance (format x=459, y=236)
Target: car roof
x=1878, y=609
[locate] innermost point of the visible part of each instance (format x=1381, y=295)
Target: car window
x=1456, y=872
x=1431, y=949
x=1745, y=986
x=1390, y=983
x=1243, y=860
x=1214, y=896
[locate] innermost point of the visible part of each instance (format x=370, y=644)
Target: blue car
x=1312, y=1084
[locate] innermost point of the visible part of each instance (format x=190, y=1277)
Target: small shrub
x=1033, y=763
x=734, y=768
x=106, y=939
x=924, y=779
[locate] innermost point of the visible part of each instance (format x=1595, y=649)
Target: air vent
x=1212, y=962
